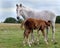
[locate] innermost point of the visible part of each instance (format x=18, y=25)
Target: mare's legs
x=47, y=33
x=53, y=31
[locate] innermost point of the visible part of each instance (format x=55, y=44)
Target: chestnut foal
x=31, y=24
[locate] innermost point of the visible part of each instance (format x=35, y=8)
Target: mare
x=27, y=12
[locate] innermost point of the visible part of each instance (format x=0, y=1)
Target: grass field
x=11, y=36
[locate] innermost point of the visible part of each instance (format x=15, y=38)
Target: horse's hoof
x=24, y=45
x=35, y=43
x=38, y=43
x=46, y=43
x=30, y=42
x=52, y=40
x=55, y=42
x=29, y=45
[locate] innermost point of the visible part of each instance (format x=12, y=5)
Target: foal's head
x=48, y=23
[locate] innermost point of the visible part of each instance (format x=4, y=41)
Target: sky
x=8, y=7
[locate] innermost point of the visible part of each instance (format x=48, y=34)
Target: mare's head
x=19, y=10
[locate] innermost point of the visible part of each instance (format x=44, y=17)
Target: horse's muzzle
x=17, y=17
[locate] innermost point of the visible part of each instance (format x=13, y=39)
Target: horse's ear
x=17, y=5
x=20, y=5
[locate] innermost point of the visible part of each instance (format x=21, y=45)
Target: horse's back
x=45, y=15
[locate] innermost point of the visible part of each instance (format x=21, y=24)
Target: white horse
x=44, y=15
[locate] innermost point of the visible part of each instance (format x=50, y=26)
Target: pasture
x=11, y=36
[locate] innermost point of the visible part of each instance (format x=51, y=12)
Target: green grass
x=11, y=36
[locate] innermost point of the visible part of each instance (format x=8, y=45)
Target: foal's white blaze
x=30, y=13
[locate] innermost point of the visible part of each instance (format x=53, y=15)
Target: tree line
x=58, y=19
x=13, y=20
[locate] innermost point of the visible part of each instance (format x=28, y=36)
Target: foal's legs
x=44, y=36
x=25, y=40
x=38, y=35
x=26, y=37
x=32, y=37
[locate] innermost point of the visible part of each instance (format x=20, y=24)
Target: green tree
x=10, y=20
x=58, y=19
x=19, y=21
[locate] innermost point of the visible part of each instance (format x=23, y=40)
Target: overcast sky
x=8, y=7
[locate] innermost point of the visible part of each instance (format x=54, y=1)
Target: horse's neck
x=28, y=13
